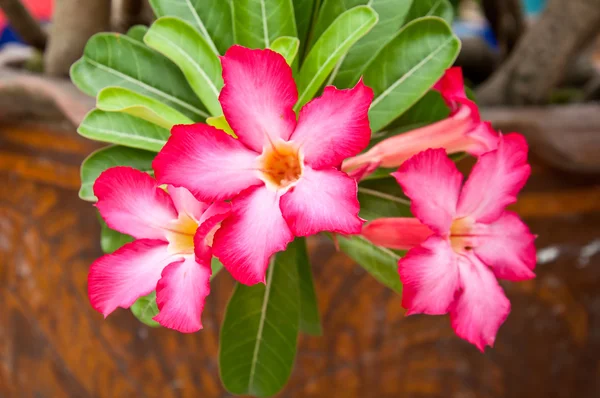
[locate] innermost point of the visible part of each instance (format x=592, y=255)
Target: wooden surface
x=52, y=344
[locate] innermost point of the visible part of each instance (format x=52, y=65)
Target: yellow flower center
x=181, y=234
x=461, y=234
x=281, y=165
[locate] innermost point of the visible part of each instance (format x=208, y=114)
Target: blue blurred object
x=534, y=7
x=8, y=35
x=464, y=29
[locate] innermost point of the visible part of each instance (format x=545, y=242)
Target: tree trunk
x=73, y=24
x=538, y=62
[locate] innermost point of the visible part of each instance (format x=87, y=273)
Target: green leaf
x=346, y=30
x=222, y=124
x=111, y=59
x=257, y=23
x=380, y=262
x=111, y=240
x=145, y=308
x=286, y=46
x=137, y=32
x=408, y=66
x=329, y=11
x=310, y=321
x=189, y=50
x=391, y=16
x=111, y=156
x=382, y=198
x=304, y=11
x=431, y=8
x=118, y=99
x=260, y=330
x=212, y=18
x=123, y=129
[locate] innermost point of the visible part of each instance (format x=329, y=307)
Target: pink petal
x=432, y=182
x=131, y=202
x=396, y=233
x=258, y=96
x=481, y=307
x=452, y=88
x=186, y=203
x=211, y=164
x=209, y=222
x=481, y=138
x=180, y=294
x=334, y=126
x=322, y=200
x=430, y=276
x=507, y=247
x=118, y=279
x=253, y=232
x=495, y=180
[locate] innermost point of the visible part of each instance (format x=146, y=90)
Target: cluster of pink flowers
x=243, y=199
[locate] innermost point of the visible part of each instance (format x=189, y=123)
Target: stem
x=24, y=23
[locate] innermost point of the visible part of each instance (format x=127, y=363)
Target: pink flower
x=281, y=175
x=463, y=131
x=463, y=239
x=167, y=227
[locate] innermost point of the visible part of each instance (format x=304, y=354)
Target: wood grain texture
x=53, y=345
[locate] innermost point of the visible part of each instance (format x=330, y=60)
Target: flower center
x=181, y=234
x=281, y=165
x=462, y=238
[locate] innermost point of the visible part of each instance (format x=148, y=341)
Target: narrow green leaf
x=111, y=156
x=310, y=321
x=145, y=308
x=123, y=129
x=118, y=99
x=346, y=30
x=257, y=23
x=111, y=59
x=222, y=124
x=304, y=11
x=137, y=32
x=189, y=50
x=111, y=240
x=352, y=66
x=382, y=198
x=212, y=18
x=380, y=262
x=286, y=46
x=431, y=8
x=260, y=330
x=408, y=66
x=329, y=11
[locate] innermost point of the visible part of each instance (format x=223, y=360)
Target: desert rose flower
x=461, y=239
x=166, y=226
x=462, y=131
x=281, y=174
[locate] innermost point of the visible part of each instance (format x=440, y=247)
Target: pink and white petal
x=400, y=233
x=131, y=202
x=187, y=203
x=429, y=273
x=118, y=279
x=334, y=126
x=495, y=180
x=258, y=96
x=180, y=294
x=210, y=221
x=208, y=162
x=481, y=307
x=482, y=138
x=253, y=232
x=322, y=200
x=432, y=182
x=507, y=247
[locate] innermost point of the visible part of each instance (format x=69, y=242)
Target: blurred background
x=534, y=66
